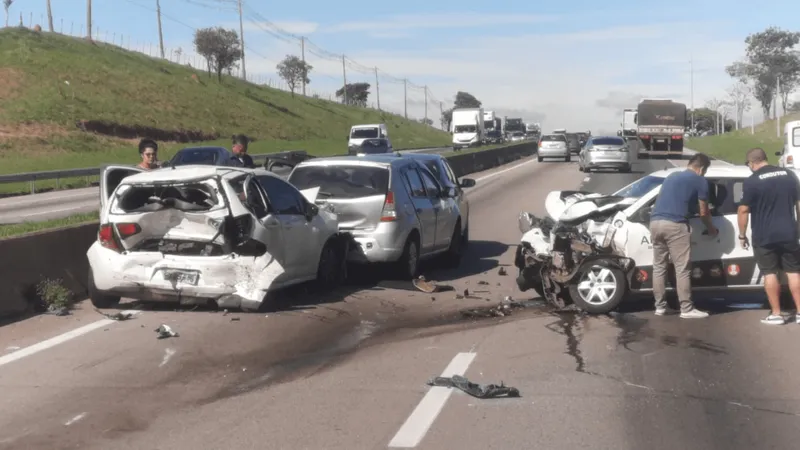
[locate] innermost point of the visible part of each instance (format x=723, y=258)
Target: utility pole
x=89, y=19
x=241, y=38
x=50, y=16
x=377, y=89
x=344, y=77
x=691, y=70
x=160, y=33
x=777, y=110
x=441, y=114
x=426, y=105
x=405, y=98
x=303, y=56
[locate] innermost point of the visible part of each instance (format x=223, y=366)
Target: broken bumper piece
x=474, y=389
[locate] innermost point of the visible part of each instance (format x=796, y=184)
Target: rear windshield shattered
x=342, y=181
x=188, y=197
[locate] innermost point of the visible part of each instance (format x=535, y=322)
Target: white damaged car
x=200, y=234
x=594, y=249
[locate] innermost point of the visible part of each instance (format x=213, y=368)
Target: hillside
x=54, y=88
x=733, y=146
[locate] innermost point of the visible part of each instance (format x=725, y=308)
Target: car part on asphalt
x=164, y=331
x=430, y=287
x=482, y=391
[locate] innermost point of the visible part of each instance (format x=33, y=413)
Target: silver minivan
x=553, y=146
x=394, y=207
x=605, y=152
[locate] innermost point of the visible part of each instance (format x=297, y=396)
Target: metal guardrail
x=33, y=177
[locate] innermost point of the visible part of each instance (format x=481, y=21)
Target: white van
x=790, y=155
x=358, y=133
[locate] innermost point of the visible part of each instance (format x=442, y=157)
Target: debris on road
x=235, y=319
x=430, y=287
x=502, y=271
x=57, y=310
x=120, y=316
x=164, y=331
x=485, y=283
x=474, y=389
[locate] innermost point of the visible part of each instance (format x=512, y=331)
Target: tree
x=7, y=5
x=294, y=71
x=769, y=57
x=426, y=121
x=221, y=48
x=357, y=93
x=739, y=97
x=794, y=107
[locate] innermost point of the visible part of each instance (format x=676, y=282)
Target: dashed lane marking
x=494, y=174
x=419, y=422
x=60, y=339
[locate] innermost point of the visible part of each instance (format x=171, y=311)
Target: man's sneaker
x=694, y=314
x=667, y=311
x=774, y=319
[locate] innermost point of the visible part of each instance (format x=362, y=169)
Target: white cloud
x=579, y=80
x=438, y=21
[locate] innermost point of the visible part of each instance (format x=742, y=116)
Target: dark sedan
x=370, y=147
x=205, y=156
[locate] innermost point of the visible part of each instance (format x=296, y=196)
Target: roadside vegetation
x=769, y=74
x=19, y=229
x=69, y=103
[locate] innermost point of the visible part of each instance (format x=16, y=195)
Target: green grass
x=30, y=227
x=733, y=146
x=49, y=82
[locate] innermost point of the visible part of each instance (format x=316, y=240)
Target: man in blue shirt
x=681, y=194
x=770, y=198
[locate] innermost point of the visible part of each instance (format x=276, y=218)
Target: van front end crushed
x=231, y=280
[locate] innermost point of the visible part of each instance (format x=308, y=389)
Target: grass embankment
x=30, y=227
x=733, y=146
x=49, y=83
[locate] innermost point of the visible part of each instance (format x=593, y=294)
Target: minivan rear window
x=554, y=138
x=343, y=181
x=364, y=133
x=608, y=141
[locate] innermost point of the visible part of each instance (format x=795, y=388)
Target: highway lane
x=64, y=203
x=349, y=370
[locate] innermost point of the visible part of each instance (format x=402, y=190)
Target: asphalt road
x=347, y=369
x=59, y=204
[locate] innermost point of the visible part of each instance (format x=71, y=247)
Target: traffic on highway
x=378, y=357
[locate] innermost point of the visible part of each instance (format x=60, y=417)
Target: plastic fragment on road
x=164, y=331
x=430, y=287
x=502, y=271
x=57, y=310
x=474, y=389
x=120, y=316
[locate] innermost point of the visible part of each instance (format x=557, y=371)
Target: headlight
x=526, y=222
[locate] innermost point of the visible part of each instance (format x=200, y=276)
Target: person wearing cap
x=148, y=152
x=770, y=201
x=239, y=149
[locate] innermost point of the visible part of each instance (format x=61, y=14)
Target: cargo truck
x=660, y=125
x=512, y=125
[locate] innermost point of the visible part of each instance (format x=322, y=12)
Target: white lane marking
x=60, y=339
x=75, y=419
x=494, y=174
x=168, y=353
x=421, y=419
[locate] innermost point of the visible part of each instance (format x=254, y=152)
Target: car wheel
x=408, y=265
x=540, y=159
x=331, y=269
x=99, y=298
x=465, y=237
x=567, y=159
x=627, y=169
x=456, y=249
x=599, y=289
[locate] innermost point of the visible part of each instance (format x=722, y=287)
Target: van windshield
x=364, y=133
x=466, y=129
x=796, y=137
x=342, y=182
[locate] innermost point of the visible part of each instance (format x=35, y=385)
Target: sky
x=571, y=65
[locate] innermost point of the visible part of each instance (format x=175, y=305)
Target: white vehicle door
x=266, y=226
x=110, y=178
x=302, y=238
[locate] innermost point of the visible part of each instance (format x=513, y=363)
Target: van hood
x=464, y=137
x=579, y=206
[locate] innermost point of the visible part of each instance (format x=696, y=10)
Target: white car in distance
x=200, y=234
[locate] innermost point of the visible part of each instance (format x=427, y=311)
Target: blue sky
x=572, y=64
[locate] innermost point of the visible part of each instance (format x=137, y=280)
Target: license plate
x=182, y=276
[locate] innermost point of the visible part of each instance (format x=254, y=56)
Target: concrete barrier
x=26, y=260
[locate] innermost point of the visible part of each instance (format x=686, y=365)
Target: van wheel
x=408, y=264
x=599, y=289
x=99, y=298
x=567, y=159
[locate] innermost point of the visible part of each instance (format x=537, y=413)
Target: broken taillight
x=127, y=230
x=106, y=237
x=677, y=137
x=389, y=213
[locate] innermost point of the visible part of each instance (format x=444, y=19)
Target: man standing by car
x=672, y=236
x=239, y=149
x=771, y=195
